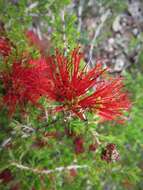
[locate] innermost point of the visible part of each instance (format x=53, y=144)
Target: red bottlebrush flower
x=72, y=88
x=110, y=153
x=24, y=84
x=5, y=46
x=6, y=176
x=78, y=142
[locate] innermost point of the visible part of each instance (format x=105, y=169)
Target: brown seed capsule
x=110, y=153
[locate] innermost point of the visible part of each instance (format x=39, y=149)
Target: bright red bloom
x=72, y=85
x=24, y=84
x=5, y=47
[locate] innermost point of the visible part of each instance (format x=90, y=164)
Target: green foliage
x=43, y=152
x=118, y=6
x=16, y=21
x=129, y=139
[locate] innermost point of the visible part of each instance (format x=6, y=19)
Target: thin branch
x=97, y=33
x=38, y=171
x=80, y=10
x=31, y=6
x=35, y=5
x=5, y=142
x=64, y=27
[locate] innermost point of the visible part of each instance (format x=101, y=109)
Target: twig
x=38, y=171
x=80, y=10
x=31, y=6
x=64, y=27
x=5, y=142
x=97, y=33
x=35, y=4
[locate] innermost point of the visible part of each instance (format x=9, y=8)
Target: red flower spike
x=71, y=85
x=61, y=79
x=5, y=47
x=25, y=84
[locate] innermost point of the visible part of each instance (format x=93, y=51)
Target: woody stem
x=38, y=171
